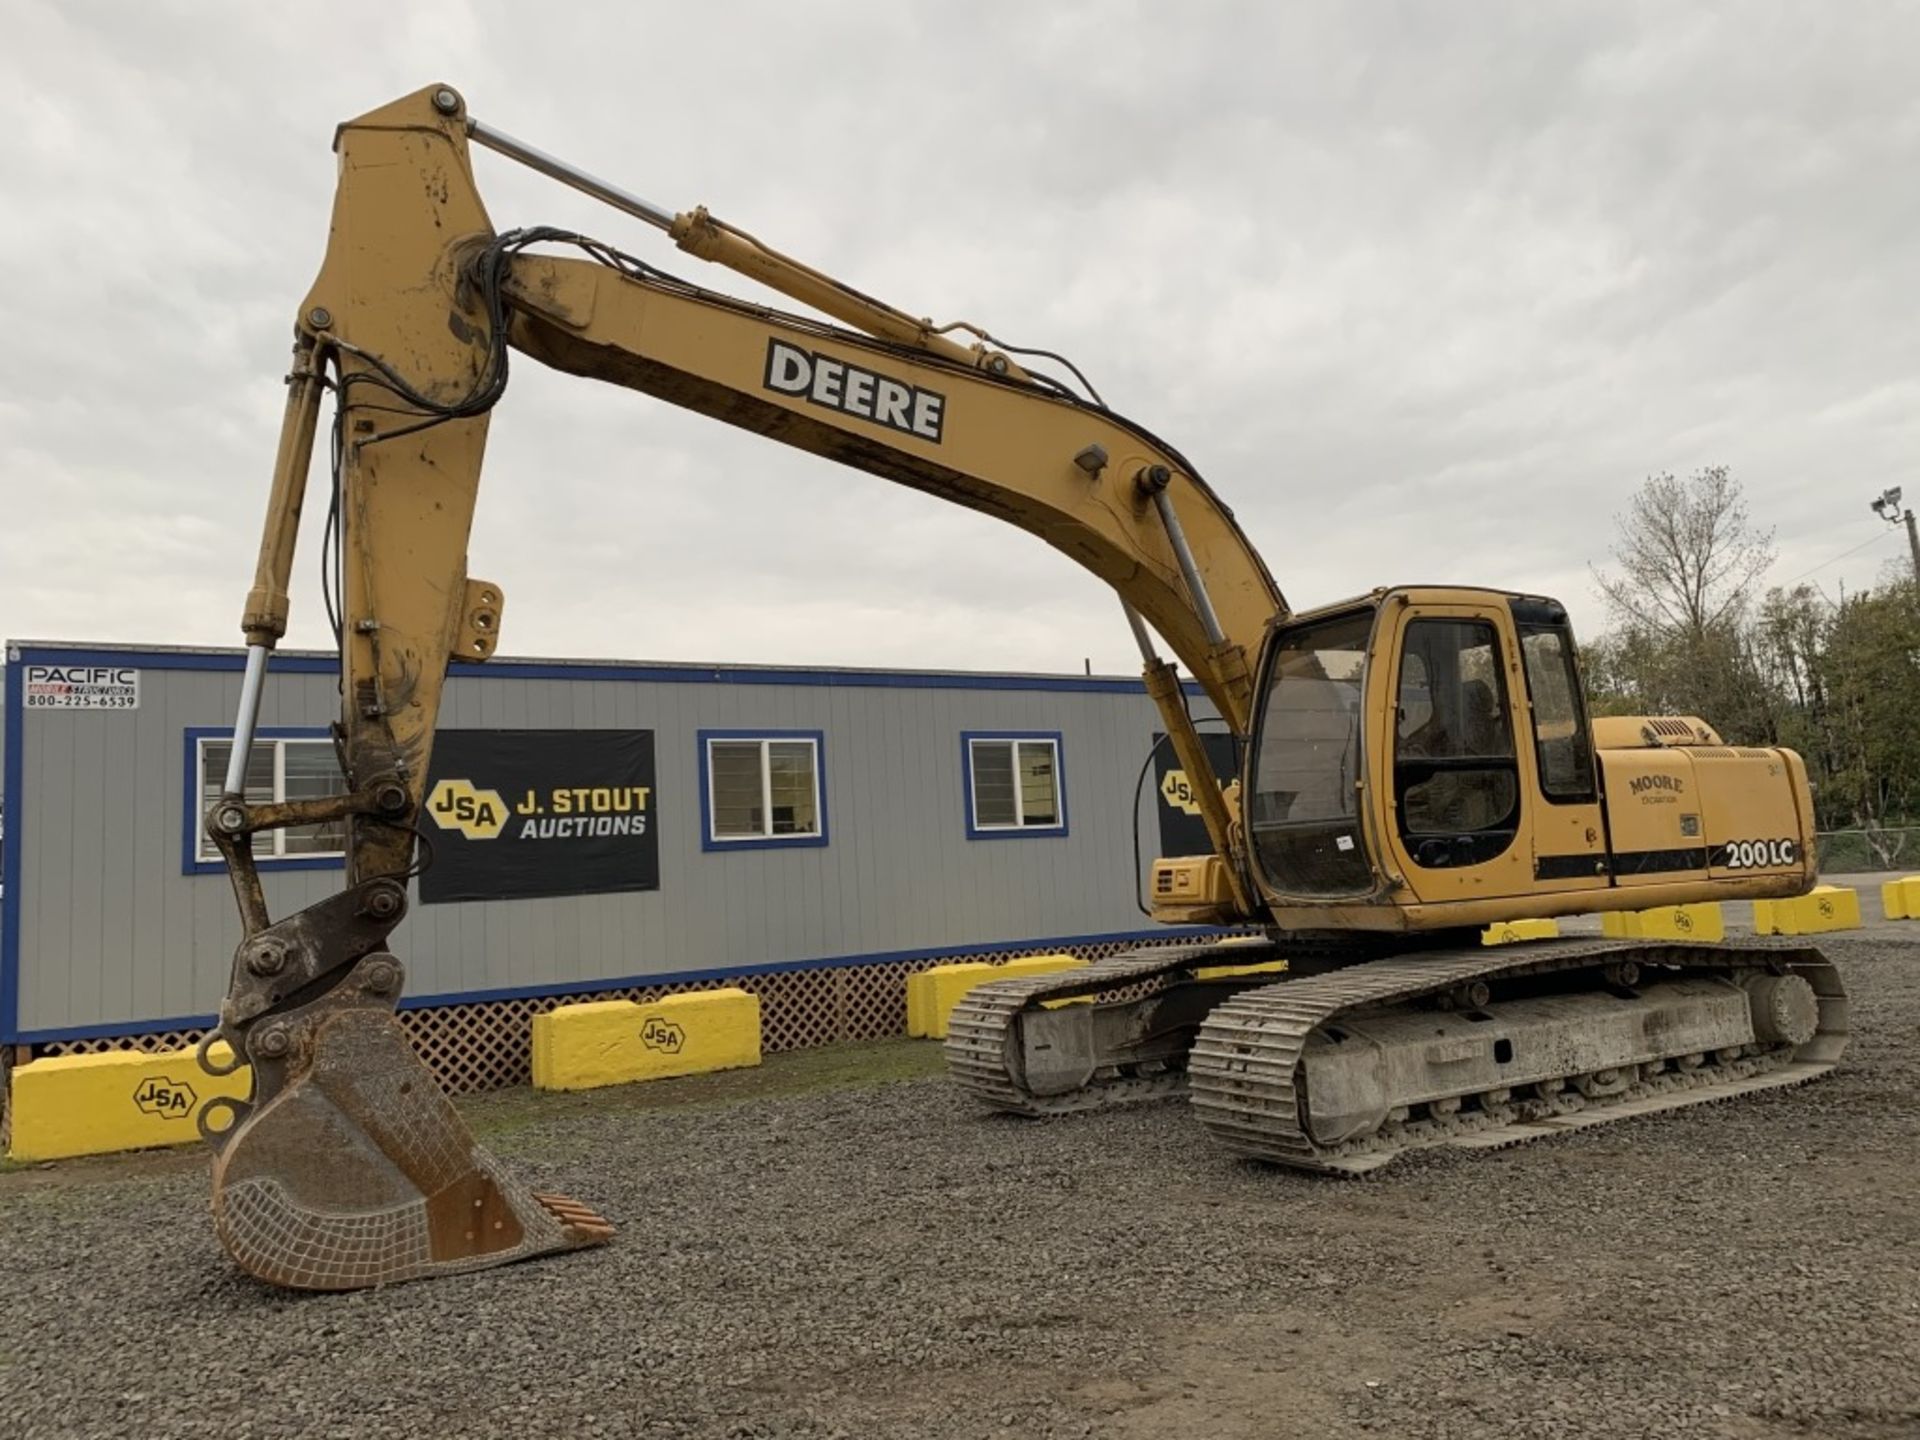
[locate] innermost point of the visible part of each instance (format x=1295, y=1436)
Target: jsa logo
x=852, y=391
x=1178, y=792
x=661, y=1034
x=461, y=805
x=168, y=1098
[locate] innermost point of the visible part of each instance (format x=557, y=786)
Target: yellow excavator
x=1414, y=763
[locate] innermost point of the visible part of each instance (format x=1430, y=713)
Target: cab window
x=1304, y=812
x=1560, y=735
x=1455, y=777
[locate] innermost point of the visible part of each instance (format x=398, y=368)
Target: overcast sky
x=1424, y=291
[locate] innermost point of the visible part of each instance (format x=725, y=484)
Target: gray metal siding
x=113, y=933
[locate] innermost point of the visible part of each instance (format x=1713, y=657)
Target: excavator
x=1414, y=764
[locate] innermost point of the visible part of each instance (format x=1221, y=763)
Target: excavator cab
x=1422, y=759
x=1478, y=764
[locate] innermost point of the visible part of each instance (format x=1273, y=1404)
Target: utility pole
x=1887, y=507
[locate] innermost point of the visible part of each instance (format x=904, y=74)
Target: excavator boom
x=346, y=1166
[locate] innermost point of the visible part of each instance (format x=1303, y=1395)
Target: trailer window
x=281, y=768
x=1013, y=786
x=761, y=790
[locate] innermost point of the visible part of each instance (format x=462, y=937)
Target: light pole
x=1887, y=507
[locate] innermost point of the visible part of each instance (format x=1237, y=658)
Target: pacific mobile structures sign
x=82, y=687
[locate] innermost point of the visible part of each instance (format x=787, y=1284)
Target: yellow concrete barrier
x=614, y=1042
x=1900, y=899
x=932, y=994
x=1513, y=932
x=1666, y=922
x=123, y=1100
x=1829, y=907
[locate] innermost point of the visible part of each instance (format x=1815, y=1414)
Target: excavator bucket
x=349, y=1167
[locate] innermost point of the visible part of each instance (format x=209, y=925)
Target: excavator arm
x=347, y=1167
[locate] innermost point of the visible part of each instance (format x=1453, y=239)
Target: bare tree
x=1885, y=844
x=1688, y=555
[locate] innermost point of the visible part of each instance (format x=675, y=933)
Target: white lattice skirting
x=486, y=1045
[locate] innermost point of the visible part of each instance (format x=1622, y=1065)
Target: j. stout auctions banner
x=517, y=813
x=1182, y=831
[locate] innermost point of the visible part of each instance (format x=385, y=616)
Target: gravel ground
x=882, y=1260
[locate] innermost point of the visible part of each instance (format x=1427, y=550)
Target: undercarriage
x=1342, y=1067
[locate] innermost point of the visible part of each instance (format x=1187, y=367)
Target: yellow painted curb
x=1900, y=899
x=615, y=1042
x=1512, y=932
x=1221, y=972
x=1829, y=907
x=1666, y=922
x=122, y=1100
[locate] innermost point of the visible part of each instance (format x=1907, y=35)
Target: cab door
x=1459, y=804
x=1569, y=825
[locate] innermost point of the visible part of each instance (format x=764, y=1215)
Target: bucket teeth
x=356, y=1170
x=577, y=1218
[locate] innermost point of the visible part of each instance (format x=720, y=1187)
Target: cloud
x=1425, y=292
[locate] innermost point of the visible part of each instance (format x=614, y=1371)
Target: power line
x=1841, y=556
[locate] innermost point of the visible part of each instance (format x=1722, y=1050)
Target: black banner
x=513, y=814
x=1182, y=831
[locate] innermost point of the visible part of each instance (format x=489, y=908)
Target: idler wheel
x=1784, y=1009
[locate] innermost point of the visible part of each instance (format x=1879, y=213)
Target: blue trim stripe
x=656, y=674
x=215, y=661
x=107, y=1030
x=15, y=843
x=679, y=977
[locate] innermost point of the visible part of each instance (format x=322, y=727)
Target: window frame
x=192, y=817
x=711, y=843
x=1480, y=850
x=1015, y=831
x=1288, y=854
x=1582, y=721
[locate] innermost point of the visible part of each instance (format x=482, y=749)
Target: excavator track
x=1251, y=1069
x=983, y=1041
x=1690, y=1024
